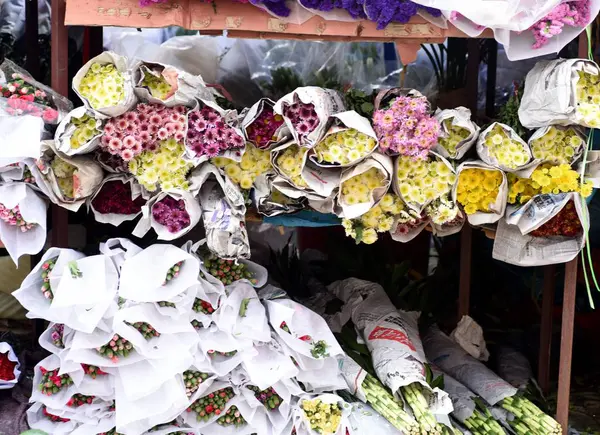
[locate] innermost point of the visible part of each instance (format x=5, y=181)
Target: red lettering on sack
x=380, y=333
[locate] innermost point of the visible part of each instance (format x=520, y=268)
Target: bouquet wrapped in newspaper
x=392, y=337
x=523, y=416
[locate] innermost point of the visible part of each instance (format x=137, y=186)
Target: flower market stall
x=186, y=336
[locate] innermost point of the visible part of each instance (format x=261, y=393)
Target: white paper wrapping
x=469, y=335
x=449, y=357
x=121, y=64
x=513, y=245
x=143, y=284
x=83, y=311
x=30, y=295
x=33, y=209
x=21, y=138
x=58, y=400
x=550, y=93
x=326, y=102
x=37, y=420
x=119, y=250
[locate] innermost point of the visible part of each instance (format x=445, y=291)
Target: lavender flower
x=276, y=7
x=383, y=12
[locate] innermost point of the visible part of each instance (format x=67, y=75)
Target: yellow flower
x=369, y=236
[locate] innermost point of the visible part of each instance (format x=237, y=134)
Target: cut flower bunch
x=588, y=98
x=209, y=134
x=421, y=181
x=254, y=162
x=85, y=130
x=454, y=136
x=405, y=127
x=478, y=189
x=291, y=162
x=546, y=179
x=506, y=150
x=558, y=145
x=566, y=223
x=103, y=85
x=344, y=147
x=12, y=216
x=359, y=188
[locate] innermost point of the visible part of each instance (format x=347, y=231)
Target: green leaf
x=244, y=307
x=74, y=269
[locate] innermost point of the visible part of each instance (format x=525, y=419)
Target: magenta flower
x=303, y=117
x=209, y=135
x=171, y=213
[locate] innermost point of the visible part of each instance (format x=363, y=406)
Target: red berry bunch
x=52, y=383
x=92, y=371
x=232, y=417
x=227, y=271
x=269, y=398
x=80, y=399
x=115, y=348
x=53, y=417
x=46, y=269
x=192, y=380
x=201, y=306
x=145, y=329
x=211, y=404
x=173, y=272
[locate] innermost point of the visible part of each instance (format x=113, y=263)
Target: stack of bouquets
x=403, y=123
x=239, y=370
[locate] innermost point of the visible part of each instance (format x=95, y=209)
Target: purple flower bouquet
x=383, y=12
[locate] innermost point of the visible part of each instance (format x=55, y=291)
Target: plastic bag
x=32, y=209
x=21, y=94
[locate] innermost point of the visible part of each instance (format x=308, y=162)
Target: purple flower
x=277, y=7
x=383, y=12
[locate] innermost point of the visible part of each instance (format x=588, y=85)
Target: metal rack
x=246, y=21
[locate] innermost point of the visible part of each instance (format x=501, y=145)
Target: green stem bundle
x=382, y=401
x=413, y=394
x=529, y=419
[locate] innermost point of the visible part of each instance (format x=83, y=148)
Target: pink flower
x=129, y=141
x=109, y=128
x=155, y=120
x=136, y=148
x=115, y=144
x=127, y=155
x=122, y=124
x=163, y=133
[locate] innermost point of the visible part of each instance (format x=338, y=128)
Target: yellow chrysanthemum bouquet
x=443, y=211
x=379, y=219
x=323, y=418
x=362, y=186
x=105, y=83
x=546, y=179
x=86, y=128
x=254, y=163
x=482, y=190
x=290, y=162
x=500, y=146
x=457, y=134
x=557, y=144
x=349, y=141
x=164, y=167
x=588, y=99
x=419, y=182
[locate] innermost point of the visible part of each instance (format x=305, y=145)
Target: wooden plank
x=60, y=83
x=546, y=329
x=239, y=19
x=566, y=345
x=464, y=290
